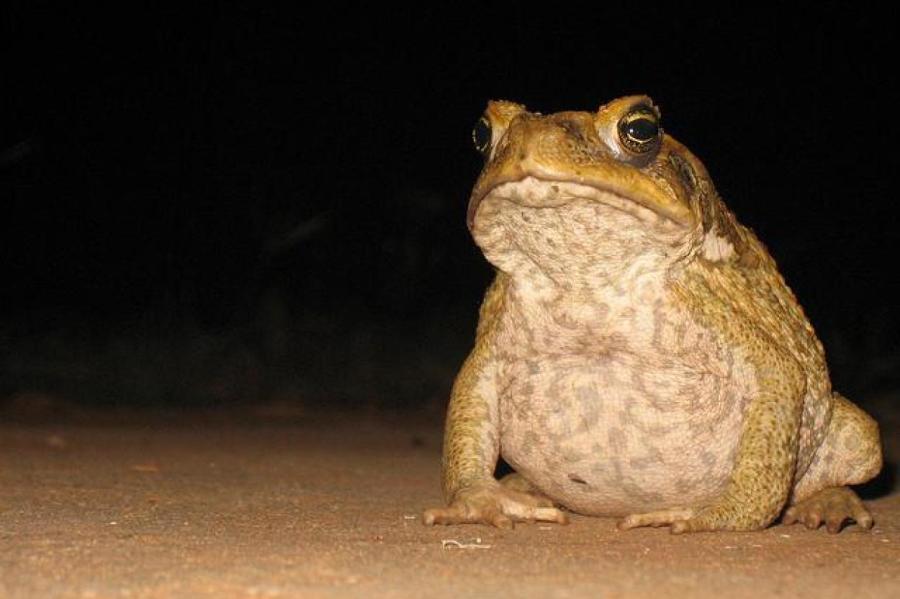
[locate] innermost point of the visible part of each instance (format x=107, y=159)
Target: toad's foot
x=718, y=516
x=834, y=506
x=491, y=503
x=669, y=517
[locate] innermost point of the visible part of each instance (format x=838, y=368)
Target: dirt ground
x=332, y=509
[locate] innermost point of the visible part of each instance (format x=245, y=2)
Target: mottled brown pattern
x=638, y=354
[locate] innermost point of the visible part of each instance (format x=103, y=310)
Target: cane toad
x=638, y=354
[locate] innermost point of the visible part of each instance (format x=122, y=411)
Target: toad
x=638, y=354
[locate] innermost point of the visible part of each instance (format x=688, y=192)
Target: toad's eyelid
x=642, y=111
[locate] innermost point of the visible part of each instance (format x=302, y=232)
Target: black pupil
x=481, y=135
x=642, y=129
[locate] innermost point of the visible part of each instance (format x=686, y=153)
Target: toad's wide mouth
x=571, y=234
x=541, y=193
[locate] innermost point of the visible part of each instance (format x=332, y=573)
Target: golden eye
x=639, y=130
x=481, y=136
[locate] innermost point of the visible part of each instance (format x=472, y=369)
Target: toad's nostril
x=577, y=479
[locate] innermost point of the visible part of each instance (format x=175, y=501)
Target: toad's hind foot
x=833, y=506
x=516, y=482
x=495, y=505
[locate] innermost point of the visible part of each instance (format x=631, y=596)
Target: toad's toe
x=494, y=505
x=833, y=506
x=659, y=518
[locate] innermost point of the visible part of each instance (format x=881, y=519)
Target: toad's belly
x=619, y=436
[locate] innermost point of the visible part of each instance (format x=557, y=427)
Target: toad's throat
x=541, y=193
x=577, y=238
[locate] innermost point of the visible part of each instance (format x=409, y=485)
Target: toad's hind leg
x=833, y=506
x=850, y=453
x=516, y=482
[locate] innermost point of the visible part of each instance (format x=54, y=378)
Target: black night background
x=220, y=208
x=236, y=285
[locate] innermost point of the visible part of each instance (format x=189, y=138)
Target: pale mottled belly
x=621, y=434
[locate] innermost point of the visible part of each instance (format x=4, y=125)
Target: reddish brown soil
x=332, y=510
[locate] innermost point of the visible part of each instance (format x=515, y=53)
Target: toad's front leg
x=763, y=474
x=471, y=449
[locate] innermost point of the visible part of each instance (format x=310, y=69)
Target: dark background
x=228, y=207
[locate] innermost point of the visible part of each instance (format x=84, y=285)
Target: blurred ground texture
x=272, y=503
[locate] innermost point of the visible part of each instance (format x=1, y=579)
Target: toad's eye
x=481, y=136
x=639, y=130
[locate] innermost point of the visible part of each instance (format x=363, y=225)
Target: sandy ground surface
x=331, y=509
